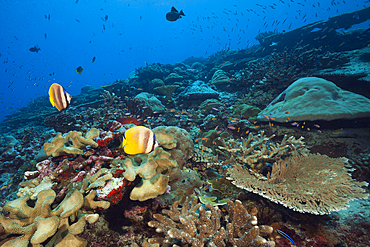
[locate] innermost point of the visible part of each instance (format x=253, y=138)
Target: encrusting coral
x=196, y=226
x=310, y=183
x=60, y=145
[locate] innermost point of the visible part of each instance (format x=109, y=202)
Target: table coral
x=196, y=226
x=60, y=145
x=312, y=183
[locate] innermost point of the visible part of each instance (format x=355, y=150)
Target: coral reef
x=150, y=167
x=212, y=100
x=152, y=71
x=60, y=145
x=109, y=98
x=149, y=101
x=167, y=90
x=258, y=149
x=219, y=77
x=314, y=98
x=198, y=90
x=194, y=225
x=45, y=222
x=306, y=183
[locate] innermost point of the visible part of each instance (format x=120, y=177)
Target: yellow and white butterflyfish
x=58, y=97
x=139, y=140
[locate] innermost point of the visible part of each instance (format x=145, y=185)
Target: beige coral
x=152, y=168
x=194, y=225
x=260, y=148
x=33, y=187
x=60, y=145
x=313, y=183
x=41, y=223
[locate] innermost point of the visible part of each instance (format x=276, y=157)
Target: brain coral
x=313, y=98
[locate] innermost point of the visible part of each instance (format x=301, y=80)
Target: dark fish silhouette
x=174, y=14
x=35, y=49
x=105, y=18
x=79, y=70
x=93, y=60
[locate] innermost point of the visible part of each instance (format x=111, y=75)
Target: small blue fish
x=285, y=236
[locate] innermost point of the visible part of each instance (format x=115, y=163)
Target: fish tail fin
x=182, y=13
x=123, y=141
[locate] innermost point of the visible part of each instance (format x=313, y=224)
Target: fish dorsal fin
x=174, y=10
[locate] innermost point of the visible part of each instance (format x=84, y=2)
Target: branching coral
x=109, y=98
x=260, y=148
x=194, y=225
x=312, y=183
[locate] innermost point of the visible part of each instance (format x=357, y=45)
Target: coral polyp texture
x=309, y=183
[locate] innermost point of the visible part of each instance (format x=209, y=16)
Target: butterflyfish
x=139, y=140
x=79, y=69
x=58, y=97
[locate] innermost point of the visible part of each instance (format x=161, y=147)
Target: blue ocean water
x=124, y=35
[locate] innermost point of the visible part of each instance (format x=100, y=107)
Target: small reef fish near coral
x=242, y=124
x=139, y=139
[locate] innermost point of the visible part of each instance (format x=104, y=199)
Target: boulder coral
x=150, y=101
x=312, y=98
x=219, y=77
